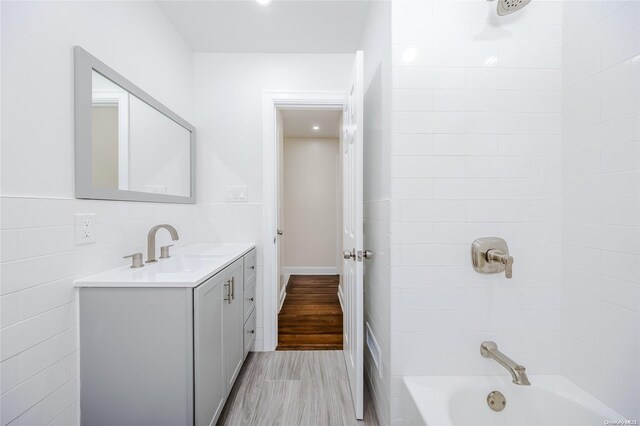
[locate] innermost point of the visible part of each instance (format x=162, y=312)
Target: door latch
x=349, y=254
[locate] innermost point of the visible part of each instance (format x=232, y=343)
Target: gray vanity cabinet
x=249, y=303
x=136, y=356
x=232, y=312
x=161, y=355
x=210, y=390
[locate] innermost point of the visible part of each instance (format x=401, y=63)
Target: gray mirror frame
x=84, y=65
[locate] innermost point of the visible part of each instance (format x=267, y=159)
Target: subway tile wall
x=39, y=262
x=476, y=152
x=376, y=46
x=377, y=298
x=601, y=200
x=229, y=223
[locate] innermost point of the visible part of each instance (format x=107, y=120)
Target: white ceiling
x=299, y=123
x=285, y=26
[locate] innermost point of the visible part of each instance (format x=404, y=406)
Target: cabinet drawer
x=249, y=333
x=249, y=297
x=250, y=265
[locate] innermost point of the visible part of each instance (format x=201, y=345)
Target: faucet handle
x=490, y=255
x=136, y=260
x=508, y=267
x=164, y=251
x=499, y=256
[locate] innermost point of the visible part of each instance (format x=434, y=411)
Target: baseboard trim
x=308, y=270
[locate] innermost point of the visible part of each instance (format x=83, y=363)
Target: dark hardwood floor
x=311, y=317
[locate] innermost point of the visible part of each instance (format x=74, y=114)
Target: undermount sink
x=181, y=263
x=203, y=256
x=187, y=267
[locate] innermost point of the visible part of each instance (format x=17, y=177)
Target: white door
x=280, y=203
x=353, y=271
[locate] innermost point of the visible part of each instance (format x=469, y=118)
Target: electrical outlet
x=236, y=194
x=84, y=228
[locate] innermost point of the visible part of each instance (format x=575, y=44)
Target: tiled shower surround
x=524, y=127
x=601, y=201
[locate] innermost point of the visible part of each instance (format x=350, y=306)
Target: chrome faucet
x=151, y=240
x=490, y=350
x=490, y=255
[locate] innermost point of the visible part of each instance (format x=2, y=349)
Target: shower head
x=506, y=7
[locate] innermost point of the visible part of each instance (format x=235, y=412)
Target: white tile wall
x=377, y=296
x=39, y=258
x=38, y=324
x=376, y=45
x=601, y=200
x=222, y=222
x=476, y=152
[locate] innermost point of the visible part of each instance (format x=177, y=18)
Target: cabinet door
x=210, y=389
x=232, y=321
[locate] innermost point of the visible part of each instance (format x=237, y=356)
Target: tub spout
x=490, y=350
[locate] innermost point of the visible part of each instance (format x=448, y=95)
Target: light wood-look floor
x=292, y=388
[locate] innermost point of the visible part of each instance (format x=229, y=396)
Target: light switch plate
x=85, y=233
x=236, y=194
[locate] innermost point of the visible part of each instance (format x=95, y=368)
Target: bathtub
x=462, y=400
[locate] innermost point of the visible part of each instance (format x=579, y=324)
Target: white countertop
x=188, y=267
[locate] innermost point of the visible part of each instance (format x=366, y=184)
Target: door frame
x=271, y=102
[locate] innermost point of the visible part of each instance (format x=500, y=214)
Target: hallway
x=311, y=317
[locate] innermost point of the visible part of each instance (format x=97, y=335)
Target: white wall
x=229, y=94
x=376, y=44
x=39, y=257
x=476, y=152
x=601, y=201
x=311, y=205
x=229, y=90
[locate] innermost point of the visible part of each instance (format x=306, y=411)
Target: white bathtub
x=462, y=400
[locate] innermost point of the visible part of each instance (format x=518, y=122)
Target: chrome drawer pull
x=228, y=285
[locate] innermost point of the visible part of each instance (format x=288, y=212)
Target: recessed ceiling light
x=316, y=127
x=264, y=2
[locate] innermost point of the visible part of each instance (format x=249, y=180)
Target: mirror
x=128, y=145
x=134, y=146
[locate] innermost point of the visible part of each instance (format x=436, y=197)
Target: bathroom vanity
x=163, y=344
